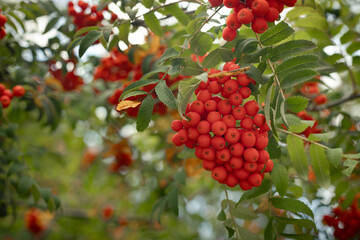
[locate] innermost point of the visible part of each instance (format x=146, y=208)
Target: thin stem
x=351, y=73
x=276, y=79
x=231, y=214
x=337, y=102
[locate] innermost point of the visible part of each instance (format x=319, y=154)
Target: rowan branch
x=336, y=102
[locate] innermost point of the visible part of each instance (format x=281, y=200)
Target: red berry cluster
x=256, y=12
x=3, y=20
x=69, y=81
x=230, y=137
x=34, y=222
x=311, y=89
x=6, y=94
x=314, y=129
x=87, y=15
x=346, y=222
x=122, y=154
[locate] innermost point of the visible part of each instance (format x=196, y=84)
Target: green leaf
x=148, y=3
x=297, y=63
x=153, y=23
x=88, y=40
x=180, y=177
x=350, y=164
x=297, y=77
x=16, y=168
x=273, y=148
x=215, y=57
x=269, y=233
x=245, y=213
x=291, y=204
x=73, y=44
x=279, y=175
x=132, y=94
x=296, y=190
x=304, y=236
x=267, y=105
x=297, y=155
x=85, y=30
x=165, y=95
x=201, y=44
x=319, y=137
x=136, y=85
x=356, y=155
x=230, y=230
x=255, y=74
x=173, y=200
x=178, y=13
x=221, y=216
x=106, y=32
x=169, y=53
x=35, y=190
x=124, y=30
x=155, y=71
x=246, y=234
x=25, y=184
x=51, y=24
x=186, y=90
x=191, y=68
x=353, y=47
x=289, y=49
x=257, y=191
x=194, y=25
x=248, y=45
x=276, y=34
x=145, y=113
x=306, y=223
x=320, y=165
x=296, y=103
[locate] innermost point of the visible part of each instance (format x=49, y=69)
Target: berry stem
x=276, y=79
x=232, y=215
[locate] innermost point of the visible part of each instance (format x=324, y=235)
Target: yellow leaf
x=54, y=83
x=127, y=104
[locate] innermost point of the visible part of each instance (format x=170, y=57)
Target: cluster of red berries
x=256, y=12
x=69, y=81
x=33, y=221
x=314, y=129
x=6, y=94
x=230, y=137
x=311, y=90
x=346, y=222
x=87, y=15
x=3, y=20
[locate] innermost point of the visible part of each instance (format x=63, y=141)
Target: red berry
x=259, y=120
x=218, y=143
x=2, y=89
x=320, y=99
x=261, y=166
x=235, y=99
x=204, y=140
x=18, y=91
x=248, y=139
x=255, y=179
x=263, y=156
x=229, y=34
x=245, y=185
x=252, y=107
x=9, y=93
x=269, y=166
x=224, y=107
x=203, y=127
x=259, y=7
x=210, y=105
x=183, y=134
x=290, y=3
x=219, y=173
x=259, y=25
x=5, y=101
x=2, y=33
x=251, y=155
x=232, y=135
x=232, y=21
x=219, y=128
x=241, y=174
x=234, y=67
x=245, y=92
x=223, y=79
x=243, y=79
x=193, y=121
x=3, y=20
x=223, y=155
x=236, y=163
x=176, y=125
x=245, y=16
x=197, y=106
x=237, y=149
x=231, y=3
x=198, y=152
x=250, y=166
x=239, y=113
x=208, y=154
x=227, y=66
x=228, y=167
x=231, y=86
x=272, y=15
x=208, y=165
x=231, y=180
x=215, y=3
x=204, y=95
x=215, y=87
x=193, y=134
x=247, y=123
x=261, y=141
x=191, y=144
x=213, y=116
x=229, y=120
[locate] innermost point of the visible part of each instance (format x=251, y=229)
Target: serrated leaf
x=194, y=25
x=291, y=204
x=296, y=103
x=230, y=230
x=304, y=236
x=298, y=77
x=148, y=3
x=153, y=23
x=133, y=93
x=273, y=148
x=255, y=74
x=356, y=155
x=297, y=63
x=246, y=234
x=83, y=30
x=178, y=13
x=201, y=44
x=319, y=137
x=289, y=49
x=350, y=164
x=191, y=68
x=145, y=113
x=165, y=95
x=136, y=85
x=245, y=213
x=173, y=201
x=35, y=192
x=306, y=223
x=296, y=190
x=24, y=186
x=155, y=71
x=297, y=155
x=186, y=90
x=248, y=45
x=257, y=191
x=74, y=44
x=215, y=57
x=87, y=41
x=276, y=34
x=267, y=105
x=169, y=53
x=279, y=175
x=124, y=30
x=106, y=32
x=320, y=165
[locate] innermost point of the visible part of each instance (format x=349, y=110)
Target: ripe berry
x=198, y=152
x=175, y=139
x=208, y=165
x=203, y=85
x=228, y=167
x=231, y=180
x=255, y=179
x=229, y=120
x=2, y=20
x=234, y=67
x=227, y=66
x=241, y=174
x=208, y=154
x=250, y=166
x=251, y=155
x=237, y=149
x=265, y=127
x=5, y=101
x=243, y=79
x=193, y=134
x=217, y=99
x=197, y=106
x=215, y=87
x=213, y=117
x=218, y=143
x=269, y=166
x=245, y=185
x=245, y=92
x=215, y=3
x=219, y=128
x=9, y=93
x=236, y=163
x=251, y=107
x=191, y=144
x=219, y=173
x=290, y=3
x=176, y=125
x=259, y=25
x=229, y=34
x=2, y=33
x=232, y=135
x=248, y=139
x=261, y=166
x=261, y=141
x=235, y=99
x=247, y=123
x=231, y=86
x=204, y=95
x=263, y=156
x=239, y=113
x=224, y=93
x=204, y=140
x=259, y=120
x=259, y=7
x=2, y=89
x=232, y=21
x=245, y=16
x=320, y=99
x=223, y=79
x=224, y=107
x=223, y=155
x=18, y=91
x=210, y=105
x=193, y=121
x=231, y=3
x=203, y=127
x=272, y=15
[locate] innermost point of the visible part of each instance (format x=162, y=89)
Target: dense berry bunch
x=346, y=222
x=229, y=136
x=311, y=90
x=314, y=129
x=35, y=221
x=69, y=81
x=122, y=156
x=3, y=20
x=255, y=12
x=6, y=94
x=87, y=15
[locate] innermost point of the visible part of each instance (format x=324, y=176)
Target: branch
x=336, y=102
x=301, y=137
x=232, y=215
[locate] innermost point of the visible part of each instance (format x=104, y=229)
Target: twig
x=336, y=102
x=301, y=137
x=232, y=215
